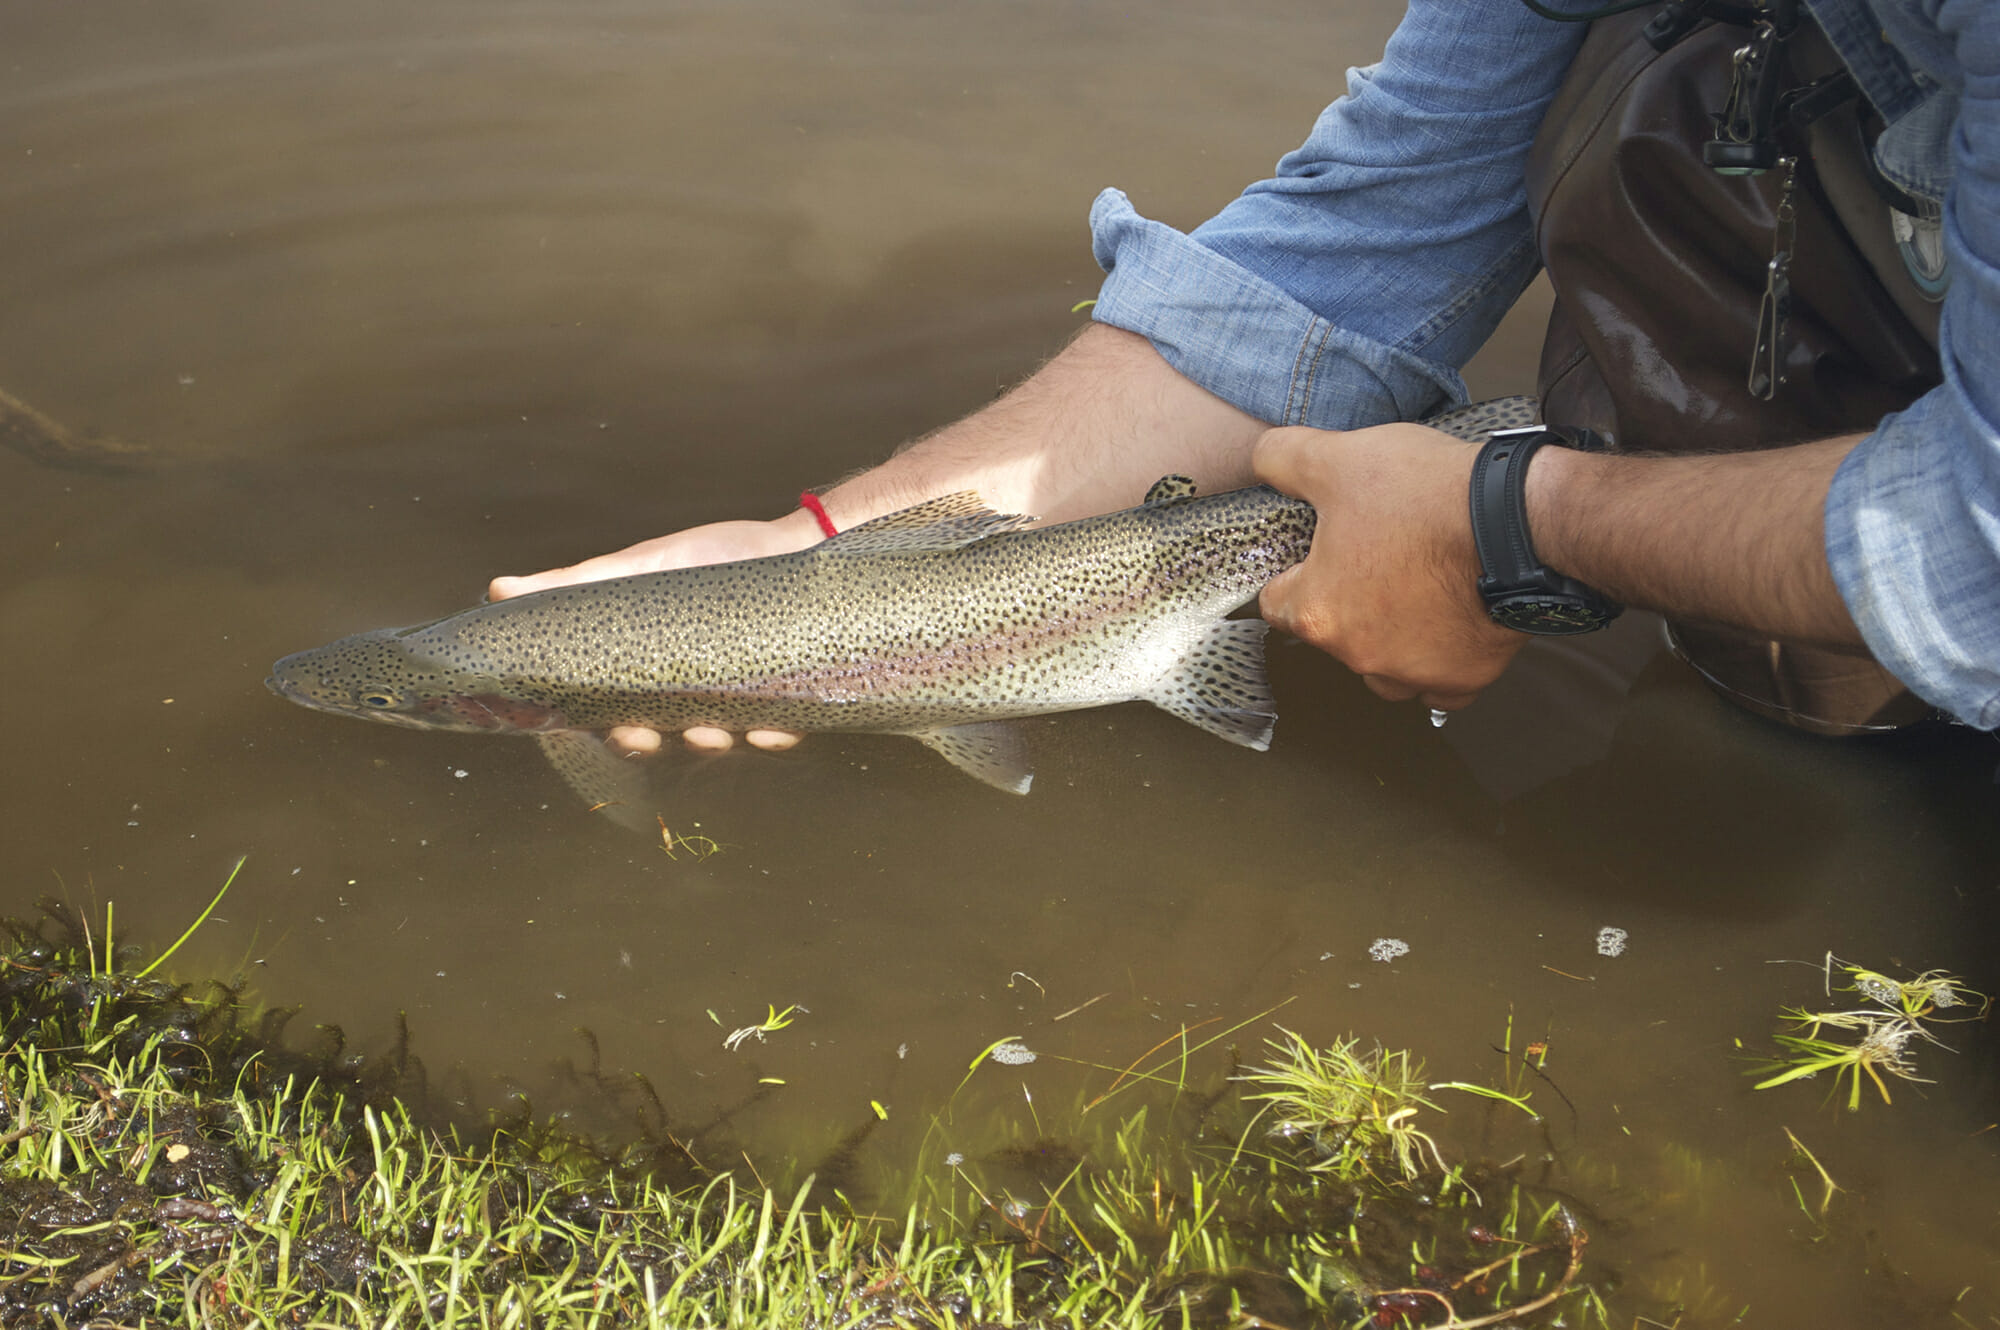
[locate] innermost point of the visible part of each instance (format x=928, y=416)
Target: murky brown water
x=400, y=298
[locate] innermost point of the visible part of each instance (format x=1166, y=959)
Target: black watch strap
x=1519, y=591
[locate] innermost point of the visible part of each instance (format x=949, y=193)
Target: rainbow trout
x=944, y=622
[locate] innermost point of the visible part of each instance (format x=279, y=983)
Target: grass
x=1356, y=1109
x=165, y=1158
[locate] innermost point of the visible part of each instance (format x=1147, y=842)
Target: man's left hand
x=1390, y=588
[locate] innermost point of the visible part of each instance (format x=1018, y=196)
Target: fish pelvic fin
x=608, y=783
x=1220, y=684
x=991, y=750
x=945, y=523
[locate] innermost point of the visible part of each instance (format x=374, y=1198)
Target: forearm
x=1737, y=539
x=1087, y=433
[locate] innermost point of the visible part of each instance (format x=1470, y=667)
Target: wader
x=1661, y=267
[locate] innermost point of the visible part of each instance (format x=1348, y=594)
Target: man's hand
x=1391, y=585
x=718, y=542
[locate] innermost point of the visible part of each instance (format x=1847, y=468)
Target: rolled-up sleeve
x=1350, y=287
x=1913, y=515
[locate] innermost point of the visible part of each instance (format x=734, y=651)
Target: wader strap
x=1659, y=266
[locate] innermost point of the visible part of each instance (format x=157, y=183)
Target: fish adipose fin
x=1169, y=489
x=941, y=524
x=991, y=750
x=1220, y=684
x=610, y=784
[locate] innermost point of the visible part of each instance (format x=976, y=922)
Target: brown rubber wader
x=1659, y=264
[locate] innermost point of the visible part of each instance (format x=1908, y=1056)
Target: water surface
x=398, y=299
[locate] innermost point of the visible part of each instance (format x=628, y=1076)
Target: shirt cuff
x=1917, y=559
x=1246, y=340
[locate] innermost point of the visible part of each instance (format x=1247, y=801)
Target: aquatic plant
x=1872, y=1041
x=1357, y=1108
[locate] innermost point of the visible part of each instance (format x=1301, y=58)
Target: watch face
x=1549, y=616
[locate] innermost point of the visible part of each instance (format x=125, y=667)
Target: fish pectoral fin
x=992, y=750
x=608, y=783
x=945, y=523
x=1220, y=684
x=1169, y=489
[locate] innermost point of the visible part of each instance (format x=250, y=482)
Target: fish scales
x=943, y=622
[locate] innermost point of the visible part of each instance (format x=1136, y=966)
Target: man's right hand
x=717, y=542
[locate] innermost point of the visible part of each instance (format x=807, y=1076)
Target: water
x=400, y=299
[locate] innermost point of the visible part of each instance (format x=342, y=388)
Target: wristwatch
x=1520, y=593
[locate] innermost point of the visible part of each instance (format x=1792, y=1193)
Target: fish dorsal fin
x=944, y=523
x=1475, y=422
x=988, y=749
x=1220, y=684
x=1169, y=489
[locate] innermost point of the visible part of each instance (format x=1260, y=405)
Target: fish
x=946, y=622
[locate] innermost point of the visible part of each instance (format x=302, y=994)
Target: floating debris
x=1611, y=941
x=1387, y=949
x=1870, y=1041
x=772, y=1023
x=1012, y=1055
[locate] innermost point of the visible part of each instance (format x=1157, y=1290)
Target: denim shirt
x=1349, y=288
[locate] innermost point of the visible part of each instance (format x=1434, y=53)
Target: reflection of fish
x=943, y=622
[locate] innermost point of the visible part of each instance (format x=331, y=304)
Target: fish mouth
x=292, y=692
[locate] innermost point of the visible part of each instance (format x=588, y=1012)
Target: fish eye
x=378, y=698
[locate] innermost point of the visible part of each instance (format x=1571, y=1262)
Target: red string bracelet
x=810, y=502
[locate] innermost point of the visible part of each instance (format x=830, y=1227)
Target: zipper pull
x=1746, y=128
x=1767, y=357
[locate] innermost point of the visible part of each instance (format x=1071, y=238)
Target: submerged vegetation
x=165, y=1158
